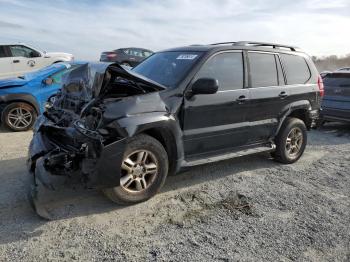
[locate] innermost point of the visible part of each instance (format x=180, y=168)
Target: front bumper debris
x=82, y=162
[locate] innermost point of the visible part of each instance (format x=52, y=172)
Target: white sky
x=88, y=27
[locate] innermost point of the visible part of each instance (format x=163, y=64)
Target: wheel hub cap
x=139, y=170
x=19, y=118
x=294, y=142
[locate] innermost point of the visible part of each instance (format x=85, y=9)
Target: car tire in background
x=143, y=172
x=18, y=116
x=290, y=141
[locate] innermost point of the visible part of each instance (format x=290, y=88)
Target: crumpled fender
x=103, y=172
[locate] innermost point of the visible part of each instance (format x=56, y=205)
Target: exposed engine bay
x=79, y=140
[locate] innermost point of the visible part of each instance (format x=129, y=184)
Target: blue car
x=23, y=99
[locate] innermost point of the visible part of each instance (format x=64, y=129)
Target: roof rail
x=224, y=43
x=250, y=43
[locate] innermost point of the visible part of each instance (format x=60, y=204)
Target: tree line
x=331, y=63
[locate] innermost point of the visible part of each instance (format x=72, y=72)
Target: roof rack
x=249, y=43
x=263, y=44
x=224, y=43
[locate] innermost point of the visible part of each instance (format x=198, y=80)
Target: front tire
x=290, y=141
x=19, y=116
x=143, y=172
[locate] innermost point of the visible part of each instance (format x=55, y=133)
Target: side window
x=127, y=51
x=263, y=70
x=296, y=69
x=138, y=52
x=146, y=53
x=3, y=52
x=23, y=51
x=57, y=77
x=227, y=68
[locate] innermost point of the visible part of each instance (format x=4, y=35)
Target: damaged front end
x=75, y=141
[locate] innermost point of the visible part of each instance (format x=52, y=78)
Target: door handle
x=283, y=94
x=15, y=61
x=241, y=99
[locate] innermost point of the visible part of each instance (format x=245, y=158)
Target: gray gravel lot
x=245, y=209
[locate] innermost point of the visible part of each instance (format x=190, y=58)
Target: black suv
x=124, y=131
x=131, y=56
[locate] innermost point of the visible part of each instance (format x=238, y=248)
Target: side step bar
x=250, y=151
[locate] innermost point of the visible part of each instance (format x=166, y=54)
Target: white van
x=19, y=59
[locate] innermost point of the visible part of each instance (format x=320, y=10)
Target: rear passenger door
x=217, y=122
x=268, y=94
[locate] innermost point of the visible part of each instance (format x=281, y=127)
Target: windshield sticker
x=186, y=57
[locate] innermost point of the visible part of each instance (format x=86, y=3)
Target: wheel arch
x=162, y=127
x=300, y=110
x=168, y=141
x=21, y=98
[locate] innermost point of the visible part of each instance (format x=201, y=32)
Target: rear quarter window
x=296, y=69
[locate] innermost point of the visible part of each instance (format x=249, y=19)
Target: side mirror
x=48, y=81
x=205, y=86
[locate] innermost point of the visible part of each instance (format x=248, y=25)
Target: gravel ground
x=246, y=209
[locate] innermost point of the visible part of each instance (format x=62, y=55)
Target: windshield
x=168, y=68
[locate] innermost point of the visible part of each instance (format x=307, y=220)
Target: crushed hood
x=90, y=79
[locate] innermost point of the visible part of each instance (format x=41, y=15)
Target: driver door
x=217, y=123
x=24, y=59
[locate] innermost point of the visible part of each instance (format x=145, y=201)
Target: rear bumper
x=334, y=114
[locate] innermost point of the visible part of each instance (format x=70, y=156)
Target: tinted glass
x=136, y=52
x=263, y=70
x=337, y=80
x=127, y=51
x=57, y=77
x=296, y=68
x=2, y=52
x=146, y=53
x=23, y=51
x=227, y=68
x=167, y=68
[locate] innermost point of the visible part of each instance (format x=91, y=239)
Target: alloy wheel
x=19, y=118
x=294, y=142
x=139, y=170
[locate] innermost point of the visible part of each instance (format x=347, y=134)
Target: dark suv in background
x=126, y=56
x=124, y=131
x=336, y=102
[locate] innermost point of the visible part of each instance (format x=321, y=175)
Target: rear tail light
x=112, y=55
x=320, y=86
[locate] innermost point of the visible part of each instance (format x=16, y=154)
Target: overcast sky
x=86, y=27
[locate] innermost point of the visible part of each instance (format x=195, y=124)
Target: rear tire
x=290, y=141
x=144, y=170
x=19, y=116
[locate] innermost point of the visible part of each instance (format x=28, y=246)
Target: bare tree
x=331, y=63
